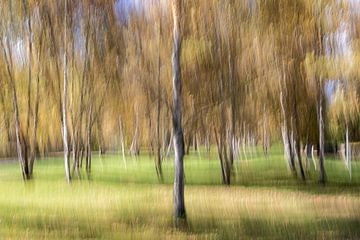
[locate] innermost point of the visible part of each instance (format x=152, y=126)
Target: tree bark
x=286, y=138
x=158, y=142
x=179, y=203
x=64, y=105
x=34, y=144
x=134, y=148
x=9, y=68
x=322, y=176
x=122, y=141
x=348, y=152
x=218, y=144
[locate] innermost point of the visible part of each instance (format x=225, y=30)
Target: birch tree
x=179, y=203
x=64, y=106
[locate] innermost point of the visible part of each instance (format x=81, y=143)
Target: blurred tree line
x=93, y=75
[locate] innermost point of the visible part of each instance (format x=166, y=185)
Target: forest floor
x=126, y=201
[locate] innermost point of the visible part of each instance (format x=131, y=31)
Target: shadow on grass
x=252, y=228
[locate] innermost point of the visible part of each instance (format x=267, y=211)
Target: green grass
x=265, y=201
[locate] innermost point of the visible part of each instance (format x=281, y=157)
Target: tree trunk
x=35, y=122
x=88, y=142
x=9, y=68
x=28, y=22
x=221, y=161
x=179, y=203
x=348, y=152
x=286, y=138
x=168, y=149
x=322, y=176
x=158, y=160
x=122, y=141
x=134, y=148
x=64, y=107
x=313, y=156
x=35, y=146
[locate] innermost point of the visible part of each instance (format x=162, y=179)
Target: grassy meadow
x=121, y=201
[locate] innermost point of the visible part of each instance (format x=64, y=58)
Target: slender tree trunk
x=26, y=138
x=322, y=177
x=35, y=119
x=148, y=116
x=297, y=132
x=134, y=148
x=9, y=68
x=313, y=156
x=158, y=142
x=265, y=135
x=286, y=138
x=75, y=168
x=88, y=127
x=168, y=149
x=100, y=137
x=88, y=144
x=232, y=103
x=122, y=140
x=348, y=152
x=220, y=156
x=179, y=203
x=64, y=106
x=28, y=22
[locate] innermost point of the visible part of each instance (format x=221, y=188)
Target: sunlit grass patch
x=265, y=201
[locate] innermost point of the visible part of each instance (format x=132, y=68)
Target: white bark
x=134, y=148
x=64, y=107
x=179, y=203
x=122, y=142
x=9, y=68
x=313, y=156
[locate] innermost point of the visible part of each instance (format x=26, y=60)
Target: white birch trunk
x=64, y=107
x=122, y=142
x=313, y=156
x=179, y=203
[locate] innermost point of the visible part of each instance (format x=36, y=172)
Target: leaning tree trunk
x=179, y=203
x=222, y=156
x=64, y=108
x=286, y=138
x=9, y=68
